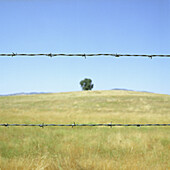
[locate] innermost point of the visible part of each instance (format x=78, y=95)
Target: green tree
x=86, y=84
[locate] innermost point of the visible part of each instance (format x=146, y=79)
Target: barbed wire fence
x=84, y=55
x=74, y=124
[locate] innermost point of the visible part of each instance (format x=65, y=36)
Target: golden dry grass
x=85, y=147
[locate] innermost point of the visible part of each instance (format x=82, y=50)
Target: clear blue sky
x=84, y=26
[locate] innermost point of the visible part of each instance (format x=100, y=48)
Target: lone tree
x=86, y=84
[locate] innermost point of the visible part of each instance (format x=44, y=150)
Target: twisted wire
x=84, y=55
x=74, y=124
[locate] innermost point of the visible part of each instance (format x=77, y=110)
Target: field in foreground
x=85, y=147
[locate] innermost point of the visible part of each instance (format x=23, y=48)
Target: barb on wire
x=150, y=56
x=116, y=55
x=13, y=54
x=74, y=124
x=42, y=125
x=50, y=55
x=86, y=55
x=111, y=124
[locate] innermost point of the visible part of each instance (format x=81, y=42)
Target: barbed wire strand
x=74, y=124
x=85, y=55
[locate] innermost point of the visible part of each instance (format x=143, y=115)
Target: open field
x=85, y=147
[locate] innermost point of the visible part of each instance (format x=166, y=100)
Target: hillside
x=85, y=147
x=86, y=106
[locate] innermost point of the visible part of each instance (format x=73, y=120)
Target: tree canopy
x=86, y=84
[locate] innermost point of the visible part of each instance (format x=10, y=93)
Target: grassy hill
x=85, y=147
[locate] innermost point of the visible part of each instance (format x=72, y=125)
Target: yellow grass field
x=81, y=148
